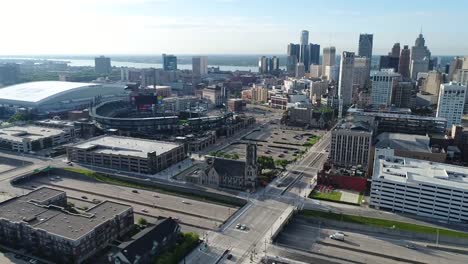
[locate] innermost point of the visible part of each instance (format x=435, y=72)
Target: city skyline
x=221, y=26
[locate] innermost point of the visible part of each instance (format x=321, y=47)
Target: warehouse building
x=424, y=188
x=127, y=154
x=39, y=223
x=33, y=138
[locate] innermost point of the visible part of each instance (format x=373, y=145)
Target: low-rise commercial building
x=419, y=187
x=33, y=138
x=128, y=154
x=236, y=105
x=410, y=146
x=39, y=223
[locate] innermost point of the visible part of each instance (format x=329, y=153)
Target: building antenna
x=420, y=32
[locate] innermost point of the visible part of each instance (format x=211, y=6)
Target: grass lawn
x=331, y=196
x=311, y=141
x=383, y=223
x=106, y=179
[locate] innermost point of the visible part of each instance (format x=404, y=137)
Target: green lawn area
x=311, y=141
x=187, y=243
x=106, y=179
x=383, y=223
x=331, y=196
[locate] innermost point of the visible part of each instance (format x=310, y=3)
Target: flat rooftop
x=53, y=219
x=416, y=143
x=412, y=171
x=19, y=133
x=126, y=146
x=38, y=91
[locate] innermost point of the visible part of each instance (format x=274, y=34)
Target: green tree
x=282, y=163
x=142, y=221
x=266, y=162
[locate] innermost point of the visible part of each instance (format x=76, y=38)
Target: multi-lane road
x=264, y=212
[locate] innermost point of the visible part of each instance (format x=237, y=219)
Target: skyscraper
x=102, y=65
x=169, y=62
x=199, y=65
x=300, y=70
x=263, y=63
x=274, y=64
x=304, y=54
x=383, y=84
x=365, y=45
x=291, y=62
x=314, y=54
x=294, y=50
x=433, y=81
x=404, y=95
x=304, y=37
x=361, y=72
x=420, y=54
x=345, y=86
x=451, y=103
x=395, y=50
x=329, y=58
x=404, y=64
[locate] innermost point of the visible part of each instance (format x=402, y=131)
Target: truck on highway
x=337, y=236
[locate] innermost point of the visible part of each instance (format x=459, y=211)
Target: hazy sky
x=225, y=26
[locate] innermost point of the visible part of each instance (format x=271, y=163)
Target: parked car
x=144, y=210
x=243, y=227
x=238, y=226
x=84, y=197
x=229, y=256
x=134, y=191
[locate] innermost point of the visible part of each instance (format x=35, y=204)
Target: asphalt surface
x=300, y=234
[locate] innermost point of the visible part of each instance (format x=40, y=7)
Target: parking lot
x=361, y=247
x=275, y=142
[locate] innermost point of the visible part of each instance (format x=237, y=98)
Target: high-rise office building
x=383, y=84
x=351, y=144
x=314, y=54
x=304, y=54
x=329, y=57
x=294, y=50
x=304, y=37
x=345, y=86
x=332, y=73
x=404, y=95
x=389, y=62
x=395, y=50
x=451, y=103
x=300, y=70
x=455, y=65
x=263, y=64
x=419, y=66
x=200, y=65
x=315, y=71
x=102, y=65
x=365, y=45
x=433, y=81
x=291, y=62
x=420, y=56
x=274, y=64
x=169, y=62
x=404, y=63
x=361, y=72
